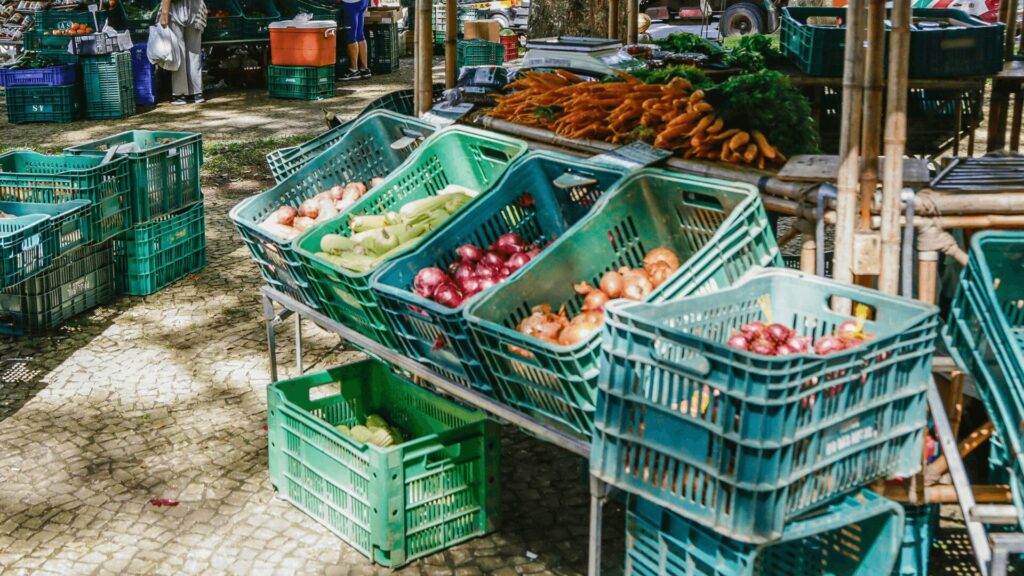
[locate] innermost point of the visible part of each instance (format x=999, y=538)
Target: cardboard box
x=488, y=30
x=408, y=43
x=383, y=15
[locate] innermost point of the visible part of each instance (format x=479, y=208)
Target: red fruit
x=738, y=342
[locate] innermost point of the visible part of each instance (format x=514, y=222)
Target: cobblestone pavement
x=165, y=397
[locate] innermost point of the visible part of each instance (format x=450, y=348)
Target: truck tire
x=741, y=19
x=501, y=18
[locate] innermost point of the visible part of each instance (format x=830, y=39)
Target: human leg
x=193, y=62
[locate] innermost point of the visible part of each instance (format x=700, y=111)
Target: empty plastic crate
x=456, y=155
x=153, y=255
x=74, y=283
x=109, y=85
x=919, y=528
x=382, y=44
x=478, y=52
x=301, y=82
x=37, y=234
x=718, y=230
x=44, y=103
x=438, y=488
x=163, y=168
x=766, y=438
x=33, y=177
x=365, y=151
x=539, y=198
x=856, y=535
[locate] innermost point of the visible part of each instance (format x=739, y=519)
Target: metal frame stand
x=289, y=306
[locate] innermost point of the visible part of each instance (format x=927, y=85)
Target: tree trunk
x=573, y=18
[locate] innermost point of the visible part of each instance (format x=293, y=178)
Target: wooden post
x=424, y=62
x=874, y=69
x=1011, y=27
x=808, y=255
x=632, y=20
x=849, y=148
x=613, y=19
x=895, y=145
x=451, y=39
x=927, y=276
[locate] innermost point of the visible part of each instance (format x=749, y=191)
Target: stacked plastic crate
x=43, y=93
x=109, y=85
x=303, y=59
x=166, y=237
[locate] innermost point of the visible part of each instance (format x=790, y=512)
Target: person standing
x=187, y=19
x=353, y=17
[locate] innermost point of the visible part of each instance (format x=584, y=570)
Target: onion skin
x=309, y=208
x=448, y=295
x=376, y=181
x=428, y=279
x=485, y=271
x=778, y=333
x=849, y=330
x=595, y=300
x=738, y=342
x=660, y=272
x=336, y=193
x=469, y=252
x=799, y=344
x=486, y=283
x=828, y=345
x=508, y=244
x=636, y=287
x=286, y=215
x=493, y=259
x=784, y=350
x=612, y=284
x=661, y=255
x=762, y=347
x=582, y=288
x=463, y=272
x=518, y=260
x=753, y=330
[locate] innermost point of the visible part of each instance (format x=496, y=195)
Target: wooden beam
x=632, y=21
x=424, y=61
x=613, y=19
x=968, y=445
x=895, y=146
x=874, y=71
x=451, y=39
x=946, y=494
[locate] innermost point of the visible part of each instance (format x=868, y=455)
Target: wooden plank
x=825, y=168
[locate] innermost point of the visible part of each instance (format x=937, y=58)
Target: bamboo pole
x=1011, y=28
x=808, y=255
x=451, y=39
x=946, y=494
x=967, y=445
x=613, y=19
x=849, y=148
x=927, y=276
x=874, y=69
x=424, y=61
x=895, y=145
x=632, y=20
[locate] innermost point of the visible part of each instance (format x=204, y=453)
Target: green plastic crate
x=767, y=438
x=301, y=82
x=109, y=86
x=37, y=234
x=478, y=52
x=257, y=15
x=382, y=46
x=229, y=27
x=393, y=505
x=33, y=177
x=50, y=20
x=540, y=196
x=365, y=151
x=456, y=155
x=164, y=168
x=719, y=231
x=137, y=16
x=284, y=162
x=74, y=283
x=44, y=103
x=816, y=49
x=856, y=535
x=921, y=523
x=154, y=255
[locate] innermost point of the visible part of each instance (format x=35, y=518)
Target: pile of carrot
x=670, y=116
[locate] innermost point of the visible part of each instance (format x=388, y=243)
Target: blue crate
x=52, y=76
x=855, y=535
x=765, y=438
x=143, y=76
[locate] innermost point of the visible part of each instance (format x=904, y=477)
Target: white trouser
x=187, y=80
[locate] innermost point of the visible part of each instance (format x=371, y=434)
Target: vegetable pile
x=288, y=222
x=778, y=340
x=629, y=283
x=378, y=237
x=375, y=430
x=475, y=270
x=33, y=60
x=673, y=116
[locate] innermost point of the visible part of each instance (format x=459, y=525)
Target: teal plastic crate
x=109, y=85
x=137, y=16
x=719, y=231
x=163, y=166
x=767, y=438
x=438, y=488
x=478, y=52
x=37, y=234
x=856, y=535
x=284, y=162
x=301, y=82
x=816, y=49
x=229, y=26
x=456, y=155
x=32, y=177
x=44, y=103
x=382, y=44
x=920, y=525
x=257, y=15
x=49, y=21
x=363, y=152
x=156, y=254
x=540, y=197
x=74, y=283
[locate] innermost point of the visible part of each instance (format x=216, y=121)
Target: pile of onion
x=287, y=222
x=475, y=270
x=778, y=340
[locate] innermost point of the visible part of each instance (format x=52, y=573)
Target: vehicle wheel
x=501, y=19
x=741, y=19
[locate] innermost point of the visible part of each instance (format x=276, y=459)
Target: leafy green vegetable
x=667, y=73
x=753, y=52
x=686, y=42
x=766, y=101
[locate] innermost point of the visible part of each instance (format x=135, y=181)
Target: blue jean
x=352, y=14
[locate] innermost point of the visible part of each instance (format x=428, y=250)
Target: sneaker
x=178, y=101
x=198, y=99
x=365, y=73
x=351, y=75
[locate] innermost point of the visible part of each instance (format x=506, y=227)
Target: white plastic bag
x=164, y=48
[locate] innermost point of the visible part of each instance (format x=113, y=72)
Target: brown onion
x=336, y=193
x=636, y=287
x=286, y=215
x=583, y=288
x=611, y=284
x=575, y=332
x=595, y=300
x=309, y=208
x=660, y=272
x=663, y=256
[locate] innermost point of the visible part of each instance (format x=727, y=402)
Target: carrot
x=762, y=144
x=702, y=107
x=739, y=141
x=725, y=135
x=697, y=96
x=716, y=126
x=750, y=154
x=703, y=124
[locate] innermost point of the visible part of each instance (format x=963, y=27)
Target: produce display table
x=1009, y=82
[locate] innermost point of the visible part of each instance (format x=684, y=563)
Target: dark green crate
x=257, y=16
x=137, y=16
x=44, y=103
x=37, y=234
x=109, y=85
x=301, y=82
x=163, y=166
x=382, y=45
x=33, y=42
x=479, y=53
x=32, y=177
x=156, y=254
x=74, y=283
x=816, y=49
x=457, y=155
x=50, y=20
x=230, y=27
x=319, y=10
x=393, y=505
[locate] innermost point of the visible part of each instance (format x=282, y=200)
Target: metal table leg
x=298, y=343
x=270, y=317
x=598, y=498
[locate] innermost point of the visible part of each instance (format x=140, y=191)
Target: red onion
x=486, y=283
x=493, y=259
x=485, y=271
x=778, y=333
x=504, y=272
x=463, y=272
x=828, y=345
x=799, y=344
x=428, y=279
x=762, y=347
x=469, y=252
x=508, y=244
x=784, y=350
x=470, y=285
x=753, y=330
x=448, y=295
x=533, y=251
x=738, y=342
x=849, y=330
x=518, y=260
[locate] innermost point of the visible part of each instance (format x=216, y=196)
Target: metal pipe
x=895, y=145
x=907, y=250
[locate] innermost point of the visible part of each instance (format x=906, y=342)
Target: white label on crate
x=845, y=435
x=77, y=287
x=172, y=152
x=41, y=108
